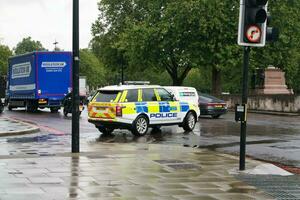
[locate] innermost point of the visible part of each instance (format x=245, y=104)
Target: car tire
x=1, y=108
x=105, y=130
x=189, y=122
x=215, y=116
x=54, y=110
x=140, y=126
x=65, y=112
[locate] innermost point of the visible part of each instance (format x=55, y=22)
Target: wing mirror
x=173, y=97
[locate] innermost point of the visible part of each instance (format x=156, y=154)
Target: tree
x=5, y=53
x=175, y=36
x=92, y=68
x=28, y=45
x=167, y=38
x=284, y=53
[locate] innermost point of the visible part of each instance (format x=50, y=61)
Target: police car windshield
x=106, y=96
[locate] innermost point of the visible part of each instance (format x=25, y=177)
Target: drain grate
x=169, y=161
x=183, y=166
x=280, y=187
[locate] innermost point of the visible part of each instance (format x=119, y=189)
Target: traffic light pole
x=75, y=91
x=244, y=102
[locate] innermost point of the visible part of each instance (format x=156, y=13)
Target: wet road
x=272, y=138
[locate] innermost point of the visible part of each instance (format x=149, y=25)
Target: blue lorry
x=39, y=80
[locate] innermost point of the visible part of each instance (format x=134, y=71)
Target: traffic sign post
x=244, y=102
x=75, y=92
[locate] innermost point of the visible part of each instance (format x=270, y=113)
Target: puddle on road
x=39, y=138
x=231, y=144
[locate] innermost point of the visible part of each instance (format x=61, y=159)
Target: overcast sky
x=46, y=21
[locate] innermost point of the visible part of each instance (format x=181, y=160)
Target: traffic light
x=253, y=23
x=272, y=33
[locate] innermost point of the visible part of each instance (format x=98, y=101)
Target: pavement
x=9, y=126
x=137, y=171
x=126, y=171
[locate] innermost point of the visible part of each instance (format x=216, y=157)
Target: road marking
x=42, y=128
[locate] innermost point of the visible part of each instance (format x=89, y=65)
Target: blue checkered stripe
x=142, y=107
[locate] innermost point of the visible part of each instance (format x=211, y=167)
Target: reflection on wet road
x=269, y=137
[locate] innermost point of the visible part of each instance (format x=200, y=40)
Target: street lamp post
x=75, y=93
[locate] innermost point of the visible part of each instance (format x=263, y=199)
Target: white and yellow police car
x=138, y=107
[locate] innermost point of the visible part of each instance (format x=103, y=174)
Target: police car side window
x=149, y=95
x=164, y=95
x=132, y=96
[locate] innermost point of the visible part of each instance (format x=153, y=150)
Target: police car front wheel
x=140, y=126
x=189, y=122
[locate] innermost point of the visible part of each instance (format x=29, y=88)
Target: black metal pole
x=244, y=102
x=75, y=93
x=122, y=74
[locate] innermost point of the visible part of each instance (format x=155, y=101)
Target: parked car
x=210, y=105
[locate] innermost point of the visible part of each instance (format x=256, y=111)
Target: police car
x=138, y=107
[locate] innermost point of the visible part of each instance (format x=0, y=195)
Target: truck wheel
x=189, y=122
x=54, y=110
x=65, y=112
x=31, y=109
x=104, y=130
x=140, y=126
x=31, y=106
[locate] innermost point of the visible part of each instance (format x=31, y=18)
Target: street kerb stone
x=11, y=127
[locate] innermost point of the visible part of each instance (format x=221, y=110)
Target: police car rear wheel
x=140, y=126
x=189, y=122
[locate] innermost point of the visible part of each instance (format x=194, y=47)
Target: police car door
x=150, y=101
x=168, y=106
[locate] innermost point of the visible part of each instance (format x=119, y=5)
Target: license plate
x=218, y=106
x=80, y=108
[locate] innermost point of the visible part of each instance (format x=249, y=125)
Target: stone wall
x=277, y=103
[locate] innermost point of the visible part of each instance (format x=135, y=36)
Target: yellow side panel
x=175, y=107
x=128, y=108
x=153, y=107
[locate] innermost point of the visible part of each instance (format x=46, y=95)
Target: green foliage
x=285, y=53
x=92, y=69
x=183, y=41
x=5, y=53
x=28, y=45
x=199, y=79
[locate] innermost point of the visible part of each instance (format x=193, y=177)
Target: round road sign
x=253, y=33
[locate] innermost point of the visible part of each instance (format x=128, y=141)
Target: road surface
x=269, y=137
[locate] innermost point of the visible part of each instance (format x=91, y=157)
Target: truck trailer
x=39, y=80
